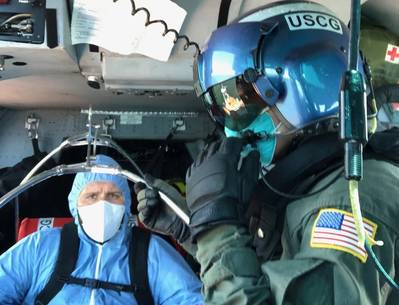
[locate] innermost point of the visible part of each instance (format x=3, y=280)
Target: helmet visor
x=234, y=103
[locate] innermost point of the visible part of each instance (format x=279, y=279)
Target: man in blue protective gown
x=100, y=205
x=285, y=234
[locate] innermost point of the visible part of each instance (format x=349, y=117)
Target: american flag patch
x=335, y=229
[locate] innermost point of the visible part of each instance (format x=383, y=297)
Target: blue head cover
x=83, y=179
x=291, y=55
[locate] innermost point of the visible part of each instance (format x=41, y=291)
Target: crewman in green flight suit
x=269, y=205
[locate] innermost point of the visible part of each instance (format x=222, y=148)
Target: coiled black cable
x=148, y=22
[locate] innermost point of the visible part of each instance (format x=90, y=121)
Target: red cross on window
x=393, y=53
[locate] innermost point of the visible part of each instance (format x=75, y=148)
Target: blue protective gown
x=26, y=267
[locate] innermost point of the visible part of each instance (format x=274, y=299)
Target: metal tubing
x=42, y=161
x=81, y=140
x=82, y=167
x=355, y=34
x=64, y=144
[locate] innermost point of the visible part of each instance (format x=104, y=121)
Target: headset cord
x=298, y=196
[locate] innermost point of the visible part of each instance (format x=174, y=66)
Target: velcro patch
x=392, y=54
x=335, y=229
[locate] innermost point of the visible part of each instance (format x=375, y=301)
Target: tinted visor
x=234, y=103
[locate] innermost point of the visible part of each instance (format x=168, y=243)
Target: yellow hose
x=357, y=215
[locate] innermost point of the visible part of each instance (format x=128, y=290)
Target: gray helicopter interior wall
x=56, y=125
x=55, y=78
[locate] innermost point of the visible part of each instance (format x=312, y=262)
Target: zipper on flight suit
x=92, y=293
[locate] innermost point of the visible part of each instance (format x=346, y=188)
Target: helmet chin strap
x=252, y=137
x=326, y=125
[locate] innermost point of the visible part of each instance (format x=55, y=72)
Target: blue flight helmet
x=288, y=55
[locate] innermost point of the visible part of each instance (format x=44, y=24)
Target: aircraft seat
x=30, y=225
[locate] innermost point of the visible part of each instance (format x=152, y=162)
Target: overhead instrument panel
x=22, y=20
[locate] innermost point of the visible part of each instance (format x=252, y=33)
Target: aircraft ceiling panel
x=57, y=78
x=385, y=12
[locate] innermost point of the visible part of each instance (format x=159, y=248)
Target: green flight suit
x=232, y=274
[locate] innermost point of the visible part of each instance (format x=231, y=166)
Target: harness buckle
x=91, y=283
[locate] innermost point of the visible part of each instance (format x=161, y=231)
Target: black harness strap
x=138, y=256
x=224, y=12
x=67, y=256
x=97, y=284
x=295, y=173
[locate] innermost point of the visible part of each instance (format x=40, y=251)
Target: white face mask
x=101, y=220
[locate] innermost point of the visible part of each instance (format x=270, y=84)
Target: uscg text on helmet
x=313, y=21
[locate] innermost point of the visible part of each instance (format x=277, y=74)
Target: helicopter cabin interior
x=68, y=67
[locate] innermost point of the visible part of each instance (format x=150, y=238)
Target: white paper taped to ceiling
x=112, y=26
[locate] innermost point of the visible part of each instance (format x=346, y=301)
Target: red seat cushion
x=30, y=225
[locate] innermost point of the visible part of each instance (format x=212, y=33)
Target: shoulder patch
x=335, y=229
